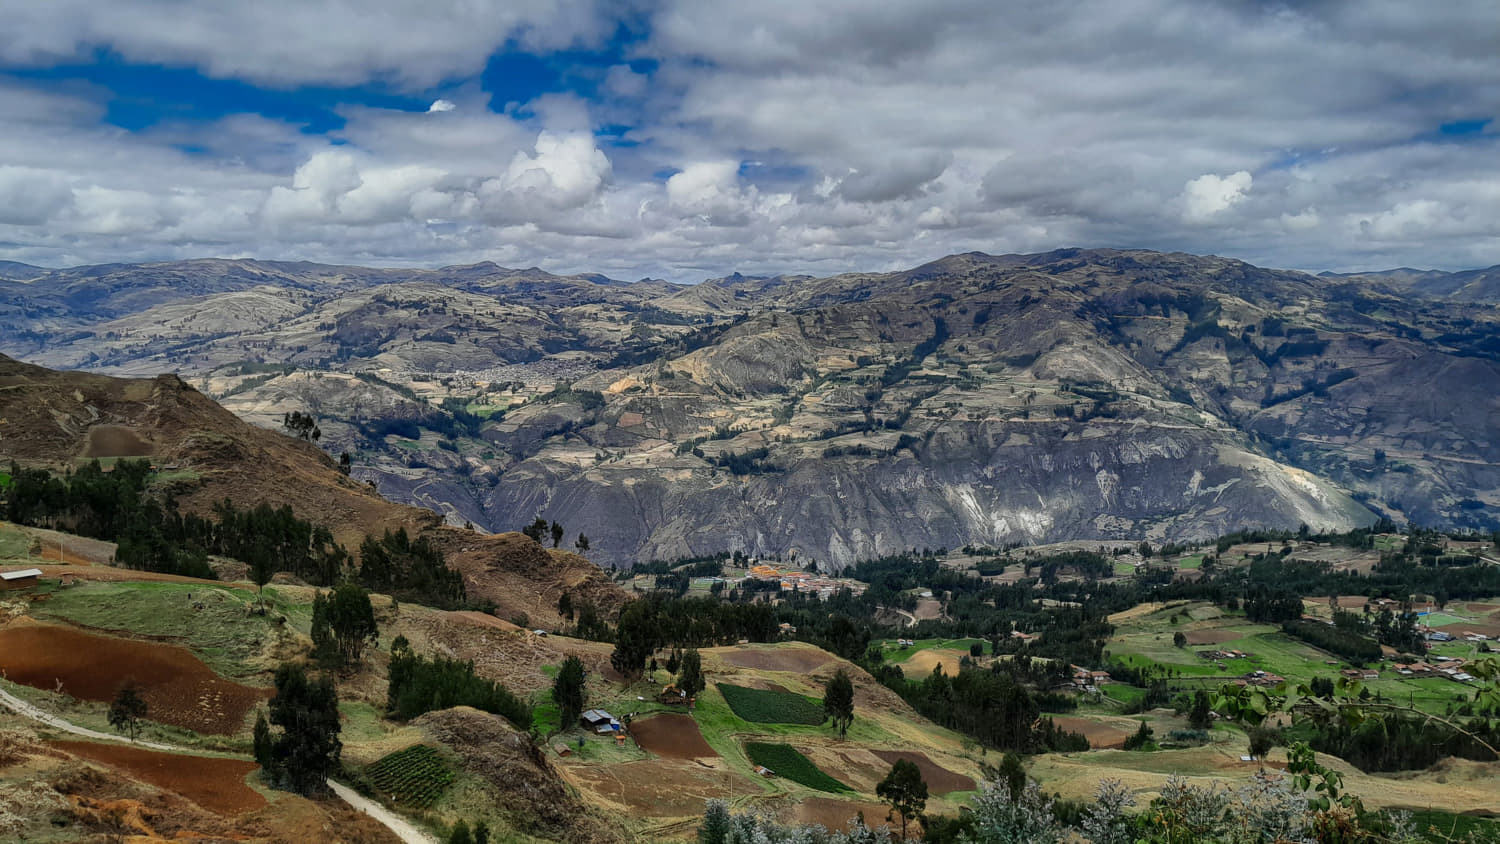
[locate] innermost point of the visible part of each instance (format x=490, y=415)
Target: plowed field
x=178, y=688
x=672, y=736
x=217, y=785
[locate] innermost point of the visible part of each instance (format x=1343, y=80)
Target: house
x=1439, y=636
x=600, y=722
x=786, y=629
x=562, y=749
x=19, y=579
x=1362, y=673
x=764, y=771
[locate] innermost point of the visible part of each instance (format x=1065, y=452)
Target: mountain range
x=973, y=400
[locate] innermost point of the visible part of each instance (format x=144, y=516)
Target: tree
x=343, y=623
x=262, y=569
x=127, y=711
x=1201, y=715
x=460, y=834
x=690, y=674
x=1179, y=639
x=1013, y=774
x=716, y=824
x=1143, y=739
x=568, y=692
x=345, y=462
x=838, y=701
x=557, y=534
x=582, y=544
x=905, y=791
x=565, y=606
x=536, y=530
x=1262, y=739
x=308, y=748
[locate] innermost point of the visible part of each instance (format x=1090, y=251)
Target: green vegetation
x=416, y=776
x=301, y=757
x=14, y=543
x=762, y=706
x=786, y=762
x=419, y=684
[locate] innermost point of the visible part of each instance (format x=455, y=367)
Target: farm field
x=216, y=784
x=787, y=762
x=765, y=706
x=672, y=736
x=178, y=688
x=416, y=776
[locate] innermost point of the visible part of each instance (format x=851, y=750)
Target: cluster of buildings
x=1450, y=667
x=805, y=582
x=1259, y=678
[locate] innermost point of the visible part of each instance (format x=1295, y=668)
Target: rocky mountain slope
x=976, y=399
x=59, y=419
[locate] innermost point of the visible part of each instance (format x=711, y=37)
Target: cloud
x=882, y=135
x=1208, y=195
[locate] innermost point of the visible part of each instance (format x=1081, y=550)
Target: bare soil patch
x=939, y=780
x=836, y=814
x=1099, y=735
x=923, y=663
x=116, y=441
x=178, y=688
x=1212, y=637
x=671, y=735
x=658, y=788
x=217, y=785
x=928, y=609
x=481, y=619
x=797, y=659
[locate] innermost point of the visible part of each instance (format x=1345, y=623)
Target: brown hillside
x=57, y=419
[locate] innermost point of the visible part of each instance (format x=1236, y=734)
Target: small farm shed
x=600, y=722
x=19, y=579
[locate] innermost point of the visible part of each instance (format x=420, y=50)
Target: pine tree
x=568, y=692
x=838, y=701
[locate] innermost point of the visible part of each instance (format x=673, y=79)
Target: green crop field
x=14, y=542
x=416, y=776
x=761, y=706
x=786, y=762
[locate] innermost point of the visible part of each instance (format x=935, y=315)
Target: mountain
x=1481, y=285
x=976, y=399
x=59, y=419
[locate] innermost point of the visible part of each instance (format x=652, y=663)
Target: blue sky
x=692, y=139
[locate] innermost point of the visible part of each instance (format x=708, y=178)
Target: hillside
x=206, y=455
x=1077, y=394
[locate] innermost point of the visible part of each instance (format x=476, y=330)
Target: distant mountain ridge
x=1079, y=393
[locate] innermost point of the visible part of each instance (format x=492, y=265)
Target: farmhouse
x=600, y=722
x=19, y=579
x=1361, y=673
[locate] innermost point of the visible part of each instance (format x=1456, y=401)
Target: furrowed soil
x=836, y=814
x=1212, y=637
x=178, y=688
x=800, y=660
x=672, y=736
x=1099, y=735
x=215, y=784
x=939, y=780
x=659, y=788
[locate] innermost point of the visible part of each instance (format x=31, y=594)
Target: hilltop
x=977, y=399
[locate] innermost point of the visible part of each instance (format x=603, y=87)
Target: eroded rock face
x=975, y=399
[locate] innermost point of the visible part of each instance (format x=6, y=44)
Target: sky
x=690, y=139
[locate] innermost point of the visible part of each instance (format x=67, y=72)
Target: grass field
x=761, y=706
x=15, y=544
x=895, y=654
x=786, y=762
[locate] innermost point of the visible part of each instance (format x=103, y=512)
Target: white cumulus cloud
x=1208, y=195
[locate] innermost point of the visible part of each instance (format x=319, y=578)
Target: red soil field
x=939, y=780
x=217, y=785
x=836, y=814
x=671, y=736
x=1099, y=735
x=1212, y=637
x=178, y=688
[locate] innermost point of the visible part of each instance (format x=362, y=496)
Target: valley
x=1079, y=394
